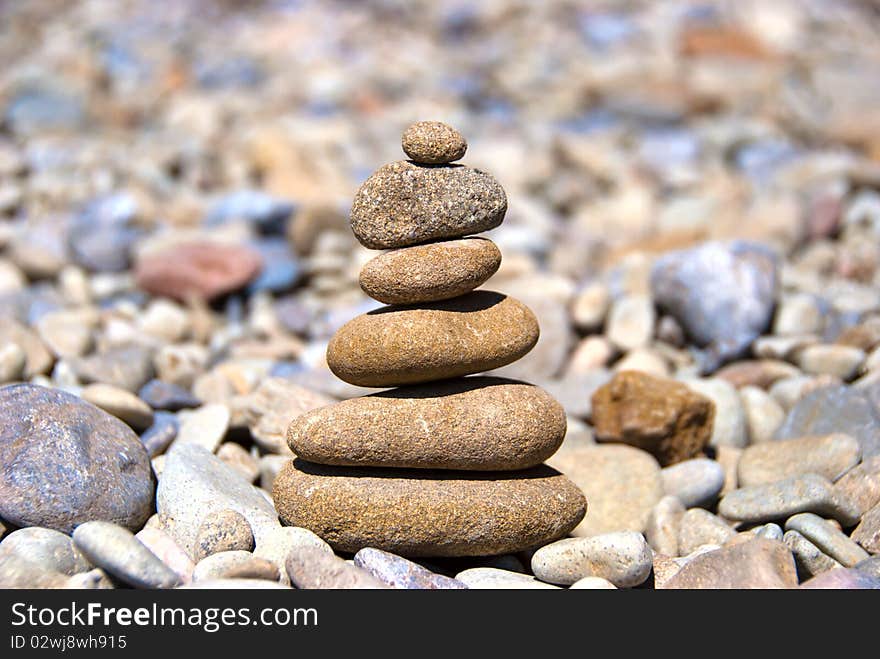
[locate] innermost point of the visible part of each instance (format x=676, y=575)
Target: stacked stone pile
x=442, y=464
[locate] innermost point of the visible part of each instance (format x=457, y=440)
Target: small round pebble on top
x=433, y=143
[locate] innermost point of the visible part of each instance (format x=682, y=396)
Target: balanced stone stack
x=443, y=464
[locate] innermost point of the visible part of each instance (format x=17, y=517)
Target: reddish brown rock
x=201, y=270
x=658, y=415
x=428, y=513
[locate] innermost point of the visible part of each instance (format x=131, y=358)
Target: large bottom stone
x=428, y=513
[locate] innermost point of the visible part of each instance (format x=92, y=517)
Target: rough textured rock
x=623, y=558
x=428, y=513
x=406, y=345
x=404, y=203
x=830, y=456
x=835, y=409
x=721, y=294
x=661, y=416
x=116, y=550
x=201, y=270
x=867, y=533
x=65, y=462
x=235, y=564
x=861, y=485
x=399, y=572
x=622, y=484
x=310, y=567
x=228, y=530
x=426, y=273
x=758, y=563
x=433, y=143
x=474, y=423
x=196, y=484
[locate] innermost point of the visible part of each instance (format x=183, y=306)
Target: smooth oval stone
x=623, y=558
x=592, y=583
x=426, y=273
x=695, y=482
x=228, y=530
x=478, y=423
x=831, y=540
x=433, y=143
x=64, y=461
x=781, y=499
x=407, y=345
x=830, y=456
x=235, y=564
x=118, y=552
x=120, y=403
x=663, y=526
x=50, y=549
x=398, y=572
x=403, y=203
x=428, y=513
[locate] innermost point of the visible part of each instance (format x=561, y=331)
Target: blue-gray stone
x=267, y=213
x=398, y=572
x=167, y=396
x=63, y=462
x=159, y=436
x=722, y=295
x=835, y=409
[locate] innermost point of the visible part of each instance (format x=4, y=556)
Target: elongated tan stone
x=426, y=273
x=394, y=346
x=478, y=423
x=404, y=203
x=428, y=513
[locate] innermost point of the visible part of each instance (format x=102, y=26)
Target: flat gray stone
x=782, y=499
x=116, y=550
x=835, y=409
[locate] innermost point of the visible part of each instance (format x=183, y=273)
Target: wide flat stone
x=428, y=513
x=830, y=456
x=758, y=563
x=475, y=423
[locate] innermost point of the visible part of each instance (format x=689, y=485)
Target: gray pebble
x=50, y=549
x=95, y=579
x=116, y=550
x=17, y=572
x=808, y=557
x=829, y=539
x=399, y=572
x=623, y=558
x=770, y=531
x=696, y=483
x=782, y=499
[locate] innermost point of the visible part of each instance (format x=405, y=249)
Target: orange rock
x=658, y=415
